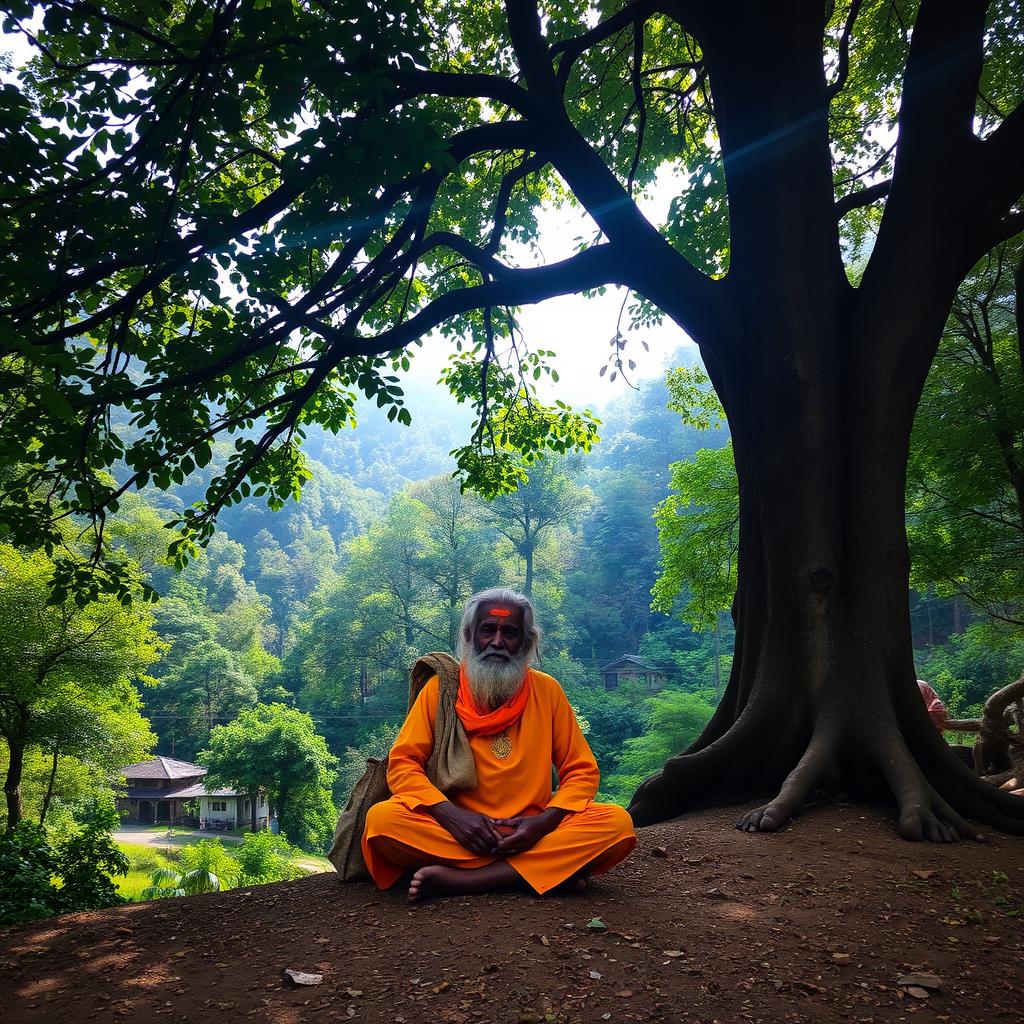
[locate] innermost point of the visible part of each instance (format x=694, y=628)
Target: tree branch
x=1012, y=224
x=638, y=100
x=481, y=258
x=571, y=49
x=589, y=269
x=862, y=197
x=657, y=270
x=504, y=197
x=843, y=70
x=469, y=86
x=1002, y=169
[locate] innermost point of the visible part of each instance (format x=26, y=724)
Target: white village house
x=165, y=789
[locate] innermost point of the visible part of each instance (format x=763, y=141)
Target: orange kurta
x=400, y=834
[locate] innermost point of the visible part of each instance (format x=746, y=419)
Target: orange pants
x=397, y=840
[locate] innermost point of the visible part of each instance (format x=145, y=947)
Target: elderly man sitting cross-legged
x=511, y=828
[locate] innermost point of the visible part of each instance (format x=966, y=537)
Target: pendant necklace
x=501, y=745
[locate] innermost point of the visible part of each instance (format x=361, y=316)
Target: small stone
x=659, y=851
x=920, y=980
x=302, y=977
x=918, y=993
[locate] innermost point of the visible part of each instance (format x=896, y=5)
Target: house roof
x=142, y=793
x=163, y=768
x=200, y=790
x=631, y=661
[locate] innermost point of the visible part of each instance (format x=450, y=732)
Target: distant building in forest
x=630, y=668
x=166, y=790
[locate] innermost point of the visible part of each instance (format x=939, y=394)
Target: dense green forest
x=322, y=605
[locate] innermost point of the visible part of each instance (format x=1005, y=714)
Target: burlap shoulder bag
x=450, y=767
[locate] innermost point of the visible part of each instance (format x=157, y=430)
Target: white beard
x=494, y=681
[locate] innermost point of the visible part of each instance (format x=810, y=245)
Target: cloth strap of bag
x=451, y=766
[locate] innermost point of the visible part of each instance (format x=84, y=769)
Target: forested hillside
x=323, y=604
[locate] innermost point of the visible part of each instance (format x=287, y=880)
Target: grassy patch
x=145, y=858
x=132, y=885
x=311, y=863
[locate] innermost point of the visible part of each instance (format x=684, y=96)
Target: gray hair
x=501, y=596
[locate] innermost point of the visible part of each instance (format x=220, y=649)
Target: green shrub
x=211, y=856
x=40, y=878
x=205, y=867
x=86, y=862
x=27, y=866
x=144, y=858
x=264, y=857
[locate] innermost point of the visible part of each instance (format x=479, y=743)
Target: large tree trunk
x=823, y=690
x=820, y=383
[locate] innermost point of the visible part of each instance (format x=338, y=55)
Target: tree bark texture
x=820, y=382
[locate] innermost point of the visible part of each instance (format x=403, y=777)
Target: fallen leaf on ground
x=926, y=873
x=595, y=924
x=673, y=952
x=841, y=958
x=921, y=980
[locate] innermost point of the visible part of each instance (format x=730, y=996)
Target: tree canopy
x=67, y=674
x=276, y=748
x=224, y=220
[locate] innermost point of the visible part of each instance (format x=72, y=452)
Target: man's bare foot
x=441, y=880
x=576, y=883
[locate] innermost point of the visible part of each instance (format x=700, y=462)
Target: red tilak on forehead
x=499, y=611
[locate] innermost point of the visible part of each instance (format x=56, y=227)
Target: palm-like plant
x=205, y=867
x=168, y=882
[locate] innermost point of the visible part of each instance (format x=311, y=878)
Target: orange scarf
x=478, y=722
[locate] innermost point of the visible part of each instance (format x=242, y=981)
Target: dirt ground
x=702, y=924
x=144, y=835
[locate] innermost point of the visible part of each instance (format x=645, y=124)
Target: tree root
x=687, y=778
x=935, y=793
x=924, y=814
x=811, y=771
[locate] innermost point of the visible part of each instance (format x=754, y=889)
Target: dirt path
x=143, y=835
x=815, y=924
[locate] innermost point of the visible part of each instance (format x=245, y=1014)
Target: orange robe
x=400, y=834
